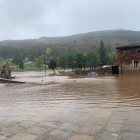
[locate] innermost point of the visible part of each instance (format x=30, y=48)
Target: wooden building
x=128, y=58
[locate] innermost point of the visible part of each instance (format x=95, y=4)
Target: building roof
x=136, y=45
x=6, y=64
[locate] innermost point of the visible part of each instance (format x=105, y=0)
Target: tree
x=48, y=52
x=52, y=64
x=84, y=61
x=102, y=52
x=62, y=61
x=92, y=59
x=16, y=59
x=0, y=68
x=38, y=62
x=21, y=65
x=79, y=59
x=111, y=57
x=71, y=60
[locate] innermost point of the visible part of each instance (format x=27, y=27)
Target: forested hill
x=130, y=36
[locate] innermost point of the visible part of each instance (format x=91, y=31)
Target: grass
x=24, y=61
x=30, y=65
x=2, y=61
x=27, y=67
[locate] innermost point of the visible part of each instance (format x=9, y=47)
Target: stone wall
x=130, y=71
x=129, y=66
x=107, y=70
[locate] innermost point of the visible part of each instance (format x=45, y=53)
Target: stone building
x=6, y=72
x=128, y=58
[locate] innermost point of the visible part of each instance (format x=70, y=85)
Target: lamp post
x=45, y=64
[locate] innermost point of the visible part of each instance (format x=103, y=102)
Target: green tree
x=92, y=59
x=21, y=65
x=38, y=62
x=71, y=60
x=102, y=52
x=111, y=57
x=62, y=62
x=0, y=68
x=85, y=61
x=16, y=60
x=79, y=59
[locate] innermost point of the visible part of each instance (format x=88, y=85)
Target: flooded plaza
x=70, y=107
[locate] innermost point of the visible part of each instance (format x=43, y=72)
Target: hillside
x=33, y=48
x=130, y=36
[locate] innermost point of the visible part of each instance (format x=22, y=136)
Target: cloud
x=22, y=19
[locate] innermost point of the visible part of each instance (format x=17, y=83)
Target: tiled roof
x=136, y=45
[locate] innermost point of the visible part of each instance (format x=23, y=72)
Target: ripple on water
x=89, y=92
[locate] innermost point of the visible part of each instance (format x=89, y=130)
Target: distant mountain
x=130, y=36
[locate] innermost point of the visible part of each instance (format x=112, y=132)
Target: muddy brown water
x=47, y=97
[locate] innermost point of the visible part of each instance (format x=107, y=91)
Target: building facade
x=128, y=58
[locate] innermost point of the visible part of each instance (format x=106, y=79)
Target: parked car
x=106, y=66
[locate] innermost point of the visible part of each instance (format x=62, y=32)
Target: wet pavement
x=70, y=107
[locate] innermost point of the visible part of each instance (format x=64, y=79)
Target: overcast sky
x=28, y=19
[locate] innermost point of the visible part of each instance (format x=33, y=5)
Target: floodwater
x=68, y=98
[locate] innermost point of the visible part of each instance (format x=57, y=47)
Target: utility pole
x=45, y=64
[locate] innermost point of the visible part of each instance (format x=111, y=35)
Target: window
x=138, y=51
x=136, y=63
